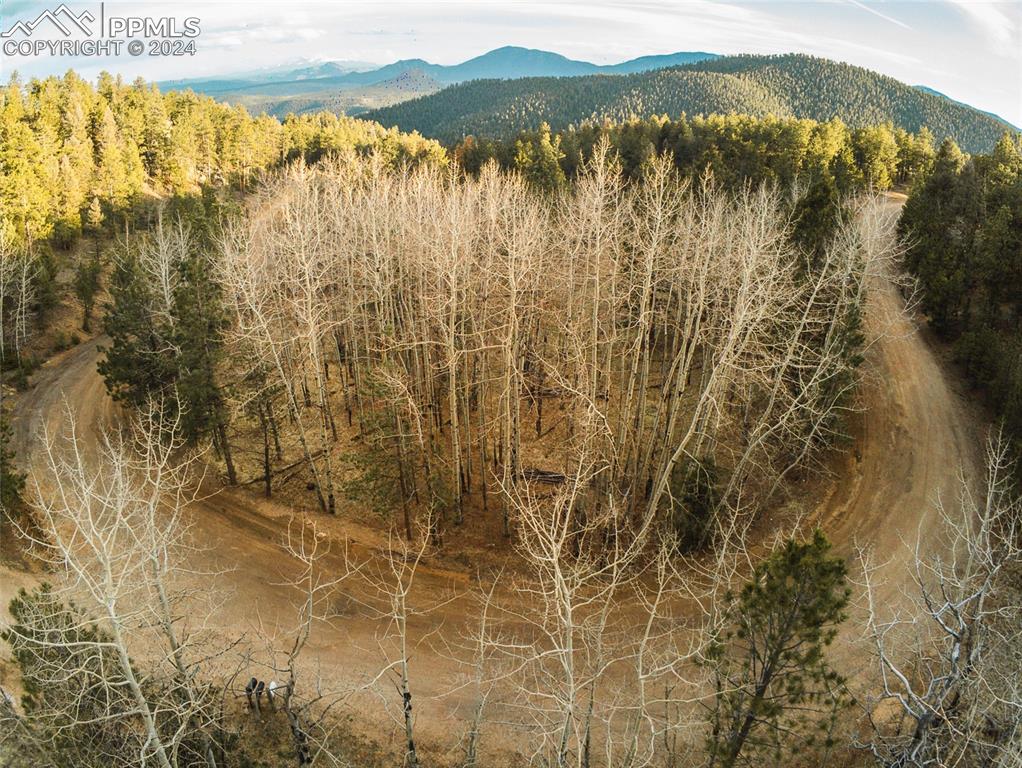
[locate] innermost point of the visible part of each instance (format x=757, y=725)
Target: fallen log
x=536, y=475
x=281, y=470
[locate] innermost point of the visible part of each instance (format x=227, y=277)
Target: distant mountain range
x=790, y=85
x=283, y=97
x=351, y=87
x=510, y=89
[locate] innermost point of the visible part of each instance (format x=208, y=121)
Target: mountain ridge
x=785, y=85
x=507, y=62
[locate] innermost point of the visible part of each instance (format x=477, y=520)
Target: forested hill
x=72, y=152
x=785, y=86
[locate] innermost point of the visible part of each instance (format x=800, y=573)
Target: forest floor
x=917, y=431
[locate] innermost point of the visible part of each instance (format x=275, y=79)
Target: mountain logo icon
x=62, y=18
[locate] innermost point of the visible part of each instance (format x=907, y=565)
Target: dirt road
x=917, y=436
x=915, y=439
x=240, y=539
x=911, y=441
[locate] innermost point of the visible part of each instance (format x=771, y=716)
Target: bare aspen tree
x=581, y=552
x=17, y=295
x=662, y=673
x=410, y=434
x=311, y=550
x=602, y=638
x=515, y=270
x=949, y=665
x=275, y=272
x=389, y=596
x=160, y=532
x=815, y=367
x=112, y=527
x=447, y=260
x=160, y=256
x=481, y=642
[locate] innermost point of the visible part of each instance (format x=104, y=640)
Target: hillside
x=410, y=84
x=342, y=86
x=790, y=85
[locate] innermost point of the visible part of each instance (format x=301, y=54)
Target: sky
x=970, y=50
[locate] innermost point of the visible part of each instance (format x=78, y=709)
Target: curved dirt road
x=239, y=538
x=916, y=439
x=911, y=442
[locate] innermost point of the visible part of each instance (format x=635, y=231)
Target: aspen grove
x=664, y=349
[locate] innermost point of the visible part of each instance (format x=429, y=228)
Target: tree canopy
x=963, y=226
x=68, y=148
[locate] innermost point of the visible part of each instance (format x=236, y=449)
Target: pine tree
x=963, y=224
x=539, y=161
x=200, y=321
x=111, y=180
x=931, y=224
x=172, y=355
x=775, y=687
x=876, y=153
x=12, y=482
x=139, y=363
x=25, y=198
x=915, y=154
x=816, y=216
x=86, y=285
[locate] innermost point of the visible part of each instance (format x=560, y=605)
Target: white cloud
x=997, y=20
x=910, y=40
x=875, y=12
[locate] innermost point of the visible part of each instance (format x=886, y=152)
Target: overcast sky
x=970, y=50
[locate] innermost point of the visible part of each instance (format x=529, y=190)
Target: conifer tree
x=111, y=178
x=963, y=226
x=86, y=285
x=12, y=482
x=199, y=326
x=775, y=687
x=936, y=253
x=25, y=198
x=539, y=160
x=138, y=364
